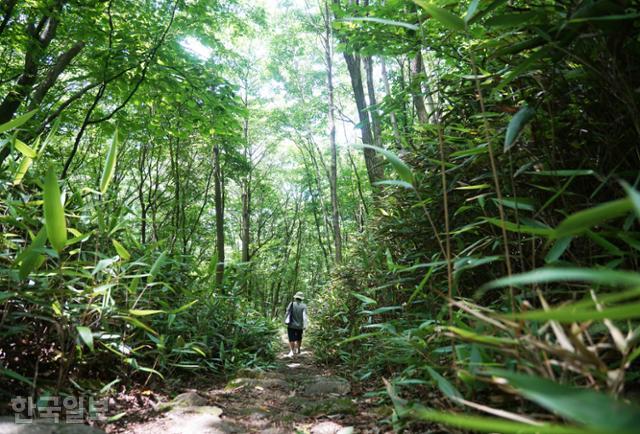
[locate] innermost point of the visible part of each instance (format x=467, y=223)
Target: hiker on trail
x=296, y=321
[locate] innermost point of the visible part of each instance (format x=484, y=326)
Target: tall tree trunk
x=296, y=268
x=416, y=88
x=217, y=182
x=375, y=119
x=40, y=37
x=6, y=8
x=52, y=76
x=429, y=95
x=333, y=171
x=246, y=219
x=394, y=121
x=246, y=183
x=371, y=158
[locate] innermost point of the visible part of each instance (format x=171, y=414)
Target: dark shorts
x=295, y=335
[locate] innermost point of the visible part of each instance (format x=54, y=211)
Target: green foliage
x=539, y=271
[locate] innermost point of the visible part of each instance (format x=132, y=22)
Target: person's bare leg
x=292, y=348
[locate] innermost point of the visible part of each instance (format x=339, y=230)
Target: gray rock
x=196, y=419
x=265, y=383
x=326, y=428
x=323, y=406
x=188, y=399
x=327, y=385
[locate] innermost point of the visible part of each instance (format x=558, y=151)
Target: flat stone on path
x=187, y=399
x=326, y=385
x=330, y=428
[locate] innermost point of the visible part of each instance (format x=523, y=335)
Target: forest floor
x=295, y=396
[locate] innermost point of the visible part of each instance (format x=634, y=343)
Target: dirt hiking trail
x=296, y=396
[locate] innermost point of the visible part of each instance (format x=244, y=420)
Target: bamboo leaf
x=572, y=314
x=395, y=183
x=583, y=220
x=517, y=123
x=145, y=312
x=444, y=385
x=157, y=265
x=492, y=425
x=86, y=335
x=446, y=18
x=401, y=168
x=185, y=307
x=558, y=249
x=381, y=21
x=471, y=10
x=122, y=252
x=25, y=164
x=634, y=196
x=54, y=212
x=545, y=275
x=25, y=149
x=520, y=228
x=136, y=322
x=15, y=123
x=593, y=409
x=14, y=375
x=32, y=257
x=484, y=339
x=364, y=298
x=109, y=164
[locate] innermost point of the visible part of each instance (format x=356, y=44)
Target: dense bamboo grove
x=454, y=185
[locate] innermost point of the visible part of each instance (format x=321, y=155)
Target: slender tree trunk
x=246, y=222
x=246, y=186
x=7, y=10
x=375, y=119
x=429, y=97
x=40, y=37
x=58, y=68
x=316, y=218
x=296, y=268
x=371, y=158
x=217, y=182
x=320, y=196
x=394, y=121
x=285, y=259
x=142, y=162
x=416, y=88
x=333, y=172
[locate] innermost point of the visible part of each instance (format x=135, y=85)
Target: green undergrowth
x=496, y=288
x=87, y=308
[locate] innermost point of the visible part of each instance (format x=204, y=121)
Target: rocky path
x=297, y=396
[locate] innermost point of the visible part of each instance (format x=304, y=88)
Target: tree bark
x=333, y=171
x=40, y=37
x=38, y=42
x=217, y=182
x=375, y=119
x=371, y=158
x=416, y=89
x=7, y=10
x=394, y=121
x=52, y=76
